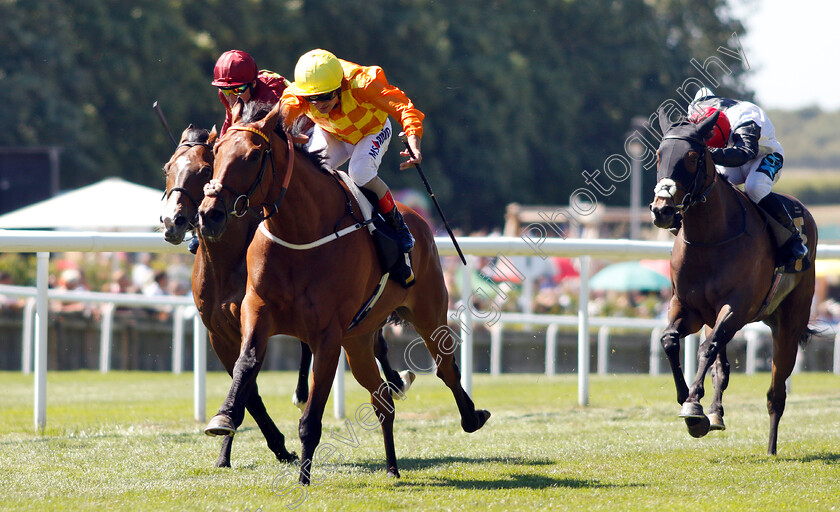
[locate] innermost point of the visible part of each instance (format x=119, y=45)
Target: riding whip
x=432, y=195
x=164, y=123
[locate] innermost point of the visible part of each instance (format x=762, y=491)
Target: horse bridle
x=692, y=196
x=168, y=193
x=242, y=203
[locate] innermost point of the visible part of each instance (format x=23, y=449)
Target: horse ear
x=272, y=118
x=664, y=121
x=236, y=110
x=213, y=134
x=705, y=127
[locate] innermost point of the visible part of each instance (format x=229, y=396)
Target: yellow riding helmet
x=317, y=72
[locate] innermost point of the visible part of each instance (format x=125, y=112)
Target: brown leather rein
x=213, y=188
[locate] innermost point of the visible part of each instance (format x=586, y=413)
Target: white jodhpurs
x=365, y=156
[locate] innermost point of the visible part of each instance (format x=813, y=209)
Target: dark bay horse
x=219, y=276
x=723, y=274
x=313, y=293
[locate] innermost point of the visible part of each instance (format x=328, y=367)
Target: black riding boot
x=395, y=220
x=794, y=248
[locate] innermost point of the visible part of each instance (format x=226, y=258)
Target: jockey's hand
x=414, y=144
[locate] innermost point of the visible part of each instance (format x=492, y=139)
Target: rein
x=215, y=186
x=690, y=199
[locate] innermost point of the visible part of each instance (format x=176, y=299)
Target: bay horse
x=723, y=274
x=219, y=275
x=300, y=288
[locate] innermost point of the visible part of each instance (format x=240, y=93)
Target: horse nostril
x=180, y=220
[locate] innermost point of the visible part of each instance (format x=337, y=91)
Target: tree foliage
x=520, y=96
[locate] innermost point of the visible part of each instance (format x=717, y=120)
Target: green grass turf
x=126, y=441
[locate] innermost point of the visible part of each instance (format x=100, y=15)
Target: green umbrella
x=628, y=276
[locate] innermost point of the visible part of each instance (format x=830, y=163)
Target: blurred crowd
x=516, y=284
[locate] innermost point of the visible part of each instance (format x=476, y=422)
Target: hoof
x=287, y=456
x=220, y=425
x=407, y=377
x=716, y=422
x=697, y=427
x=481, y=417
x=393, y=473
x=297, y=403
x=692, y=410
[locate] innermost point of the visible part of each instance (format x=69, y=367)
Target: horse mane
x=255, y=110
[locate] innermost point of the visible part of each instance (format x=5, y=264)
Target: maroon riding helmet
x=233, y=68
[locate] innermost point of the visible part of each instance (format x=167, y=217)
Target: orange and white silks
x=367, y=99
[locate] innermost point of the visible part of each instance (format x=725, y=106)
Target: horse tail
x=812, y=330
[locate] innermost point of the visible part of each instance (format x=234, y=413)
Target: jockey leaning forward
x=744, y=148
x=350, y=105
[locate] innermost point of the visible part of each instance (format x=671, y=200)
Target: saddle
x=781, y=233
x=392, y=261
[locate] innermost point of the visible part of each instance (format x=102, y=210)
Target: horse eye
x=205, y=171
x=165, y=171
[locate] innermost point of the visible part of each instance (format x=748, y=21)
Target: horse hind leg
x=301, y=393
x=720, y=378
x=327, y=349
x=790, y=330
x=399, y=382
x=785, y=348
x=441, y=343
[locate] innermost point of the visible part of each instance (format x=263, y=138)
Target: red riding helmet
x=233, y=68
x=719, y=135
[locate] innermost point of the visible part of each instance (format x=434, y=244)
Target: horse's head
x=189, y=169
x=685, y=170
x=243, y=172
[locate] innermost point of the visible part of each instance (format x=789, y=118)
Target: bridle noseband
x=694, y=196
x=168, y=193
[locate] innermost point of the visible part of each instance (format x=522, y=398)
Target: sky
x=792, y=50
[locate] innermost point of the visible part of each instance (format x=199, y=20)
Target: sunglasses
x=238, y=90
x=327, y=96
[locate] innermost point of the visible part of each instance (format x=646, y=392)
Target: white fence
x=44, y=242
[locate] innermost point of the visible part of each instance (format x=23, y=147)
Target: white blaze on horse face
x=666, y=188
x=170, y=207
x=181, y=163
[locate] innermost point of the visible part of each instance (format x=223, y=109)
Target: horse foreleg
x=725, y=327
x=274, y=438
x=720, y=378
x=670, y=342
x=245, y=370
x=682, y=322
x=363, y=365
x=326, y=352
x=302, y=389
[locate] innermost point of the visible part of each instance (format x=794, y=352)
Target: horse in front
x=312, y=268
x=724, y=274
